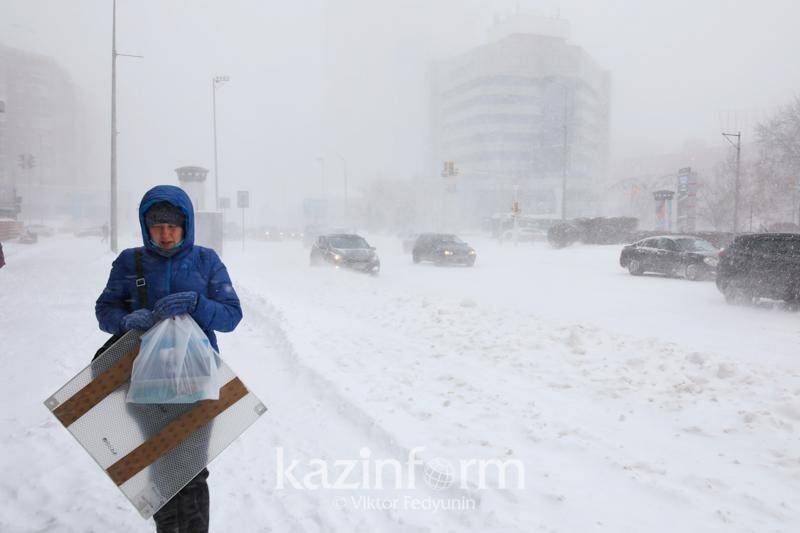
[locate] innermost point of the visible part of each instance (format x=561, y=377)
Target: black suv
x=761, y=265
x=345, y=250
x=442, y=249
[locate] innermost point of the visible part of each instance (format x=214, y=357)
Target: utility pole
x=113, y=221
x=738, y=146
x=216, y=80
x=565, y=157
x=41, y=181
x=114, y=54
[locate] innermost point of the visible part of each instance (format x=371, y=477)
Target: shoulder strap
x=141, y=283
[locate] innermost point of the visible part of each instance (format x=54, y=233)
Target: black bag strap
x=141, y=287
x=141, y=283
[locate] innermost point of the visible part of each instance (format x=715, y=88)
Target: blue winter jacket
x=190, y=268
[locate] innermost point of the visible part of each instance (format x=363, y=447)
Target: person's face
x=166, y=236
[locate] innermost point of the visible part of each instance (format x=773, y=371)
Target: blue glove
x=141, y=319
x=175, y=304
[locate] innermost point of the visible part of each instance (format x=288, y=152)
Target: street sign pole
x=243, y=201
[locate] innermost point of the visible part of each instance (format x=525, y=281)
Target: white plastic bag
x=176, y=364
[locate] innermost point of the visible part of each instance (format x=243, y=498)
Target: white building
x=516, y=115
x=42, y=139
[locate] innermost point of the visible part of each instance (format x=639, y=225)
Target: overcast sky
x=321, y=78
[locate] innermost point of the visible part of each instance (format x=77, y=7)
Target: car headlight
x=337, y=257
x=448, y=252
x=711, y=261
x=472, y=252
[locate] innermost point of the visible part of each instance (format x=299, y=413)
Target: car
x=443, y=249
x=41, y=230
x=674, y=255
x=273, y=234
x=345, y=250
x=760, y=265
x=95, y=231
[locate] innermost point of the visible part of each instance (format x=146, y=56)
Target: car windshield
x=348, y=241
x=695, y=245
x=450, y=239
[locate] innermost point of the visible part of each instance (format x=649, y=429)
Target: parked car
x=345, y=250
x=674, y=255
x=41, y=230
x=28, y=238
x=95, y=231
x=761, y=265
x=443, y=249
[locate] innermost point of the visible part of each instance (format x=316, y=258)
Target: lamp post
x=565, y=157
x=216, y=81
x=346, y=203
x=738, y=146
x=114, y=55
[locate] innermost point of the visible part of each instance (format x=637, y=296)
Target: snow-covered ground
x=626, y=404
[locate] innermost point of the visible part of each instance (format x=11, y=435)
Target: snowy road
x=632, y=404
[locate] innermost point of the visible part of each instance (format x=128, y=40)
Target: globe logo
x=439, y=473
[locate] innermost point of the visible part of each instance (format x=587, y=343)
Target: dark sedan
x=443, y=249
x=673, y=255
x=346, y=251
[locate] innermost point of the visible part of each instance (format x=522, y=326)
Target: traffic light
x=449, y=169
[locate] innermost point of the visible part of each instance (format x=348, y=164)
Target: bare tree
x=776, y=173
x=715, y=196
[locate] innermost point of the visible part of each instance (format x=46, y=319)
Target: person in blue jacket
x=179, y=278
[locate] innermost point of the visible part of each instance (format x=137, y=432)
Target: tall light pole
x=346, y=203
x=738, y=146
x=113, y=216
x=215, y=81
x=114, y=54
x=565, y=157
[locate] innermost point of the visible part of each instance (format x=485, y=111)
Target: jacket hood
x=177, y=197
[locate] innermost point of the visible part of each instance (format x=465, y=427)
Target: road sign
x=243, y=199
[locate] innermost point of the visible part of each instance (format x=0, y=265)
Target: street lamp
x=114, y=55
x=738, y=146
x=346, y=203
x=216, y=81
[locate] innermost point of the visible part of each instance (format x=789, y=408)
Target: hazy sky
x=318, y=78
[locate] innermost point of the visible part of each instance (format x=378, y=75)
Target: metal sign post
x=243, y=201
